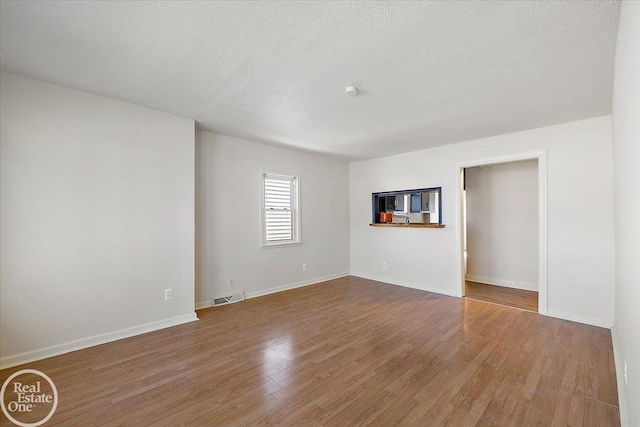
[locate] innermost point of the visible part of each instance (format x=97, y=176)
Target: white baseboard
x=206, y=304
x=593, y=321
x=56, y=350
x=411, y=285
x=527, y=286
x=622, y=397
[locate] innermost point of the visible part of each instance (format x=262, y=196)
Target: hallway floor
x=518, y=298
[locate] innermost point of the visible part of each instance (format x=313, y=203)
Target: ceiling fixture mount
x=351, y=91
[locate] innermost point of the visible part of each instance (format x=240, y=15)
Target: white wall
x=580, y=216
x=228, y=218
x=502, y=224
x=626, y=161
x=97, y=202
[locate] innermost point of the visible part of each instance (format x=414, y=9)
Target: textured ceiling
x=429, y=73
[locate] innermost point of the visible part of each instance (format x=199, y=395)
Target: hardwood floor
x=526, y=300
x=343, y=353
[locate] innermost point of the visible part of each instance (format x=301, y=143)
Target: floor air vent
x=229, y=299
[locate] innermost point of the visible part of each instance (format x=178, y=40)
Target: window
x=420, y=206
x=280, y=213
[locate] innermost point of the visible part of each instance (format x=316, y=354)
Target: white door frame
x=541, y=156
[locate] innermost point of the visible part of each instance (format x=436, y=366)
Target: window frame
x=296, y=228
x=406, y=194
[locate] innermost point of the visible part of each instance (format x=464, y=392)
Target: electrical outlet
x=626, y=381
x=304, y=266
x=230, y=283
x=168, y=294
x=384, y=264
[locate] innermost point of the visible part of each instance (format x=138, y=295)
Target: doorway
x=502, y=241
x=501, y=233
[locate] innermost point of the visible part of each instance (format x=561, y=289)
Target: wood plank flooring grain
x=343, y=353
x=519, y=298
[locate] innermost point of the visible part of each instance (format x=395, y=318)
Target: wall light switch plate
x=626, y=380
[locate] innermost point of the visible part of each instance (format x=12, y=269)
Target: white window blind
x=280, y=209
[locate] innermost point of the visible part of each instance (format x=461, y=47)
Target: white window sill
x=279, y=244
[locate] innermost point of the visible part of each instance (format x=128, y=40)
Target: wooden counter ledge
x=404, y=225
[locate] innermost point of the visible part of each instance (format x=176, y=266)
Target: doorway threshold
x=500, y=295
